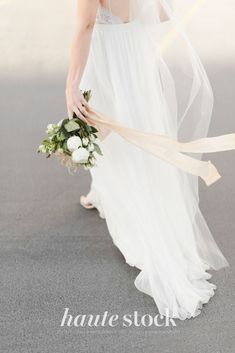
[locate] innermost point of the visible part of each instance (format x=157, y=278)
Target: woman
x=144, y=73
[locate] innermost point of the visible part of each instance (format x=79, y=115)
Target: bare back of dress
x=114, y=12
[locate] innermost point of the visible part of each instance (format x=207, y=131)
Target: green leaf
x=65, y=148
x=61, y=136
x=65, y=121
x=93, y=129
x=97, y=149
x=65, y=132
x=71, y=126
x=88, y=129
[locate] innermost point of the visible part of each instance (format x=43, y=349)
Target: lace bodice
x=105, y=16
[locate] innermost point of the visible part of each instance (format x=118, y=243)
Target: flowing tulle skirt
x=150, y=208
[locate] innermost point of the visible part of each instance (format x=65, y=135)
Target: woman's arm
x=86, y=15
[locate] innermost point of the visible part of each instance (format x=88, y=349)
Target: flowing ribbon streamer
x=168, y=149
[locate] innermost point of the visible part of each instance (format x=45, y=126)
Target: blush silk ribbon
x=167, y=149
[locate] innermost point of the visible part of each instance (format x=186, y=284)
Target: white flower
x=91, y=147
x=42, y=148
x=73, y=143
x=50, y=128
x=93, y=138
x=85, y=141
x=81, y=155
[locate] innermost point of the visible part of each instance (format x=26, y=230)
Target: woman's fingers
x=81, y=107
x=70, y=113
x=84, y=102
x=77, y=106
x=79, y=114
x=85, y=107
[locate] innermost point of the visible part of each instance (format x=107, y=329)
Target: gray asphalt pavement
x=54, y=254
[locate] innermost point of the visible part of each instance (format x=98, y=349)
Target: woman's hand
x=76, y=103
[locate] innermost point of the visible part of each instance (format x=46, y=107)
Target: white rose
x=80, y=156
x=85, y=141
x=91, y=147
x=74, y=143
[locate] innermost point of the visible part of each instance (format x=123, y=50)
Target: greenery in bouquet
x=74, y=142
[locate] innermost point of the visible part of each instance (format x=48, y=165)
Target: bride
x=144, y=73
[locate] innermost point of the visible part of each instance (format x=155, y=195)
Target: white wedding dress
x=151, y=207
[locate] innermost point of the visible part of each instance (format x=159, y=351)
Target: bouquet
x=73, y=142
x=76, y=144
